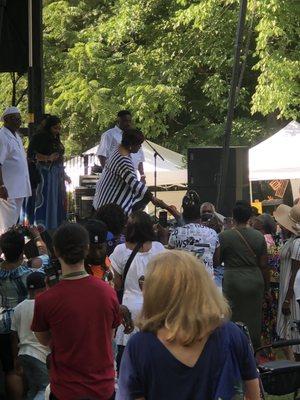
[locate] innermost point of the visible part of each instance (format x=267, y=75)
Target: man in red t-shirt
x=76, y=317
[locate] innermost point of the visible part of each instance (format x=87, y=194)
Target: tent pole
x=251, y=193
x=224, y=164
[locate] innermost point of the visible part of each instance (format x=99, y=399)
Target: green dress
x=243, y=283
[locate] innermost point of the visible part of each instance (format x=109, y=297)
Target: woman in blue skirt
x=50, y=201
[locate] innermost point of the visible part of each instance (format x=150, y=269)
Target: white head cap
x=10, y=110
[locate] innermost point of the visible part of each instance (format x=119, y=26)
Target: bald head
x=207, y=208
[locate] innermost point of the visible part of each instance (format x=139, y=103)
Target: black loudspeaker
x=14, y=36
x=84, y=201
x=204, y=170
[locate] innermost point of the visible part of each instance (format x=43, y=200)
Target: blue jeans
x=36, y=376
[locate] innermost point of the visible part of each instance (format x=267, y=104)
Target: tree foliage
x=13, y=90
x=278, y=48
x=170, y=63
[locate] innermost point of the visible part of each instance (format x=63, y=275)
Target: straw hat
x=288, y=217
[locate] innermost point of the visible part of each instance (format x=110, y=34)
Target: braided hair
x=191, y=206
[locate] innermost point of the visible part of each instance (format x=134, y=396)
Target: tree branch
x=246, y=52
x=21, y=97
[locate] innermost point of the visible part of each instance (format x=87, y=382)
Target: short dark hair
x=242, y=211
x=191, y=206
x=12, y=244
x=98, y=245
x=97, y=230
x=122, y=113
x=71, y=243
x=268, y=223
x=139, y=228
x=36, y=281
x=132, y=137
x=113, y=216
x=255, y=212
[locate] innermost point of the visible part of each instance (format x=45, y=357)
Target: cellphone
x=163, y=219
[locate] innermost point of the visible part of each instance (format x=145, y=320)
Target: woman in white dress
x=139, y=235
x=288, y=309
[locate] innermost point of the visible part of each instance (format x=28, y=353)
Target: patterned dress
x=270, y=304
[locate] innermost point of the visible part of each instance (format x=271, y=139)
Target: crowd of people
x=118, y=306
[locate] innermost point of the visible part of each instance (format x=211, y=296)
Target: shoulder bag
x=126, y=269
x=252, y=252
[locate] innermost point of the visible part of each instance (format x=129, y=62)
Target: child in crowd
x=13, y=274
x=97, y=263
x=31, y=354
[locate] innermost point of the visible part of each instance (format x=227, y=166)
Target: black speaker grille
x=203, y=175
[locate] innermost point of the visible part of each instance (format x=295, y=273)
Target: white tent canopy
x=277, y=157
x=171, y=171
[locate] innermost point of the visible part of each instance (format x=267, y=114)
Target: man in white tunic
x=113, y=137
x=14, y=175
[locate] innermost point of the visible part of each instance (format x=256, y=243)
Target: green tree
x=170, y=63
x=278, y=49
x=13, y=91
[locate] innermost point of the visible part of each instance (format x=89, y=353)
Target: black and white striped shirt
x=119, y=184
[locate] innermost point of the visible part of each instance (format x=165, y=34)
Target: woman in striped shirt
x=118, y=183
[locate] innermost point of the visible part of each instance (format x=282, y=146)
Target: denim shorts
x=36, y=374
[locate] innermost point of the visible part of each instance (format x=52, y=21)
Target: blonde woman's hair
x=181, y=296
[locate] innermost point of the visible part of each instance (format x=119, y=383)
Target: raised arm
x=142, y=173
x=40, y=244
